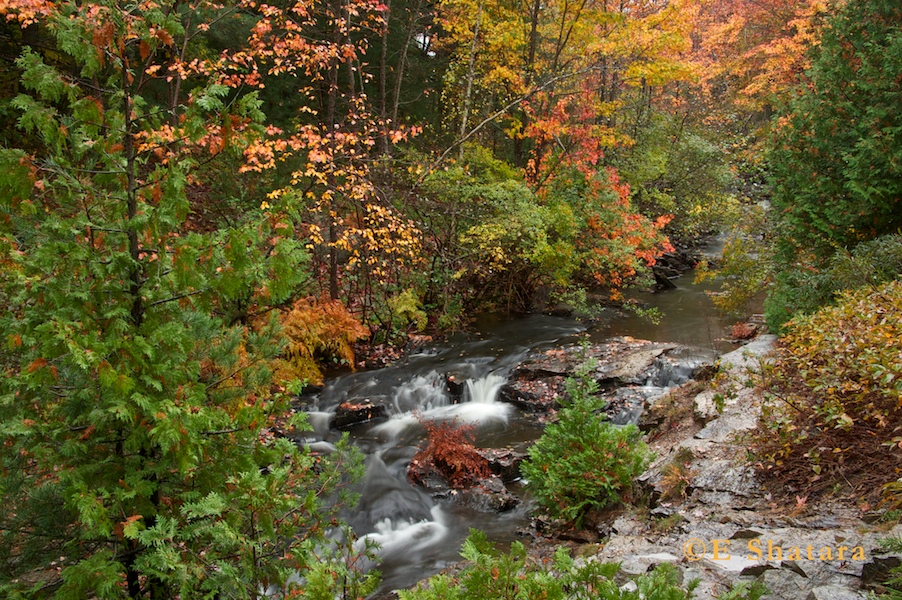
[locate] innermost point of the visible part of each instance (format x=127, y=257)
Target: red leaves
x=451, y=454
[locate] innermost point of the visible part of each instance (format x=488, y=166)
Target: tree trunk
x=468, y=92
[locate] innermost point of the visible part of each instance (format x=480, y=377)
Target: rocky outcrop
x=631, y=374
x=710, y=517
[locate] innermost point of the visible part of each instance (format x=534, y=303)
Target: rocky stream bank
x=700, y=506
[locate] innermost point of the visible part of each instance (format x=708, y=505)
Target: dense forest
x=204, y=203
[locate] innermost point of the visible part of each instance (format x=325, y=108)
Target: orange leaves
x=760, y=43
x=36, y=364
x=451, y=454
x=316, y=330
x=26, y=12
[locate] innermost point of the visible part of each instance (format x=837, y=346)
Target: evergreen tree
x=136, y=412
x=837, y=152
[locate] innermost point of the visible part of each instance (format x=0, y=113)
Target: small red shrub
x=450, y=453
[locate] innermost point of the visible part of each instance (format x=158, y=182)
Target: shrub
x=450, y=453
x=583, y=463
x=805, y=287
x=512, y=576
x=835, y=395
x=316, y=332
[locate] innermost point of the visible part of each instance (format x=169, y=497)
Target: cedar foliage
x=583, y=463
x=135, y=412
x=836, y=153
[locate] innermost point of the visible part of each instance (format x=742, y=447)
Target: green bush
x=804, y=288
x=583, y=463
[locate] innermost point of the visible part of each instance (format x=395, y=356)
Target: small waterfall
x=425, y=398
x=423, y=392
x=485, y=389
x=398, y=538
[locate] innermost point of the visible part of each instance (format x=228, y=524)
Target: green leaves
x=136, y=400
x=583, y=463
x=838, y=144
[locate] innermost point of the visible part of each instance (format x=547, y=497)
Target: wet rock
x=552, y=363
x=349, y=414
x=503, y=462
x=627, y=404
x=628, y=361
x=454, y=388
x=488, y=495
x=533, y=395
x=663, y=277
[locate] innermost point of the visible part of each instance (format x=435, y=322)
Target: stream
x=418, y=535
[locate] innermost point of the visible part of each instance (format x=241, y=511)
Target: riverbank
x=708, y=514
x=700, y=506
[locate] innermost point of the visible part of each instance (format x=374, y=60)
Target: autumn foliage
x=835, y=398
x=316, y=332
x=450, y=454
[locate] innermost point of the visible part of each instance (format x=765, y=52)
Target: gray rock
x=643, y=563
x=724, y=476
x=632, y=365
x=834, y=592
x=626, y=526
x=783, y=584
x=733, y=563
x=729, y=424
x=748, y=356
x=704, y=407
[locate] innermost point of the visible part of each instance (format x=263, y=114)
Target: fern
x=316, y=333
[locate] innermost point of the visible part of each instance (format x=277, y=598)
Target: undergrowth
x=316, y=333
x=490, y=574
x=834, y=409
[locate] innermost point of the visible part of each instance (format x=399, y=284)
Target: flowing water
x=418, y=535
